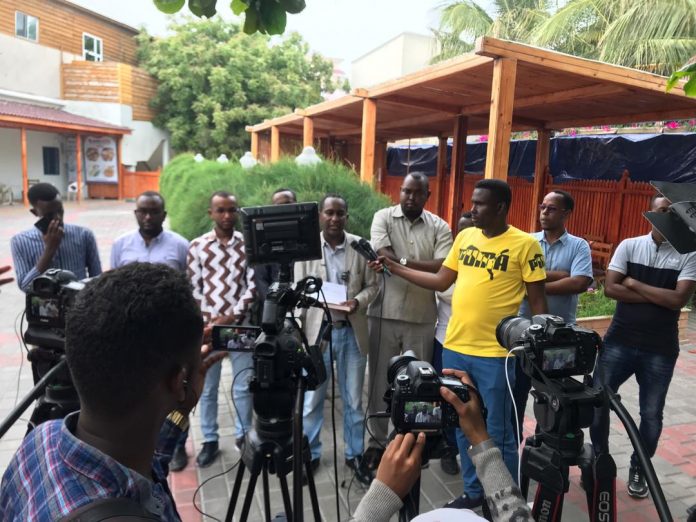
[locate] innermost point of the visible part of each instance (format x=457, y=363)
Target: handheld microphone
x=364, y=249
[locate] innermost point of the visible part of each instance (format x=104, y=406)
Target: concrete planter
x=600, y=323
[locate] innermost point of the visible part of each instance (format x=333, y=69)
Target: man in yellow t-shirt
x=494, y=266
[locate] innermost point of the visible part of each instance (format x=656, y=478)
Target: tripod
x=263, y=455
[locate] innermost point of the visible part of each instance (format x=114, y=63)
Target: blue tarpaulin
x=664, y=157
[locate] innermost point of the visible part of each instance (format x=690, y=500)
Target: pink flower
x=672, y=125
x=573, y=132
x=483, y=138
x=692, y=122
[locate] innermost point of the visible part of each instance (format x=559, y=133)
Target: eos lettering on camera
x=50, y=296
x=416, y=403
x=551, y=346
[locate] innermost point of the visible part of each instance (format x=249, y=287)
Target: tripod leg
x=235, y=492
x=286, y=496
x=266, y=494
x=249, y=495
x=312, y=493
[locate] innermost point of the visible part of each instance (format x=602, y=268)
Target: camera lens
x=510, y=329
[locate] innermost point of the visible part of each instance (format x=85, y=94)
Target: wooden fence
x=608, y=211
x=135, y=183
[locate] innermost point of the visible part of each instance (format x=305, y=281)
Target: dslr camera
x=414, y=399
x=552, y=348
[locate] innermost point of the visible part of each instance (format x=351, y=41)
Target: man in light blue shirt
x=150, y=243
x=568, y=274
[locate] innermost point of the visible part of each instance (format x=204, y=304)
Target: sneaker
x=179, y=459
x=238, y=443
x=313, y=467
x=208, y=454
x=372, y=457
x=464, y=502
x=637, y=486
x=361, y=472
x=448, y=462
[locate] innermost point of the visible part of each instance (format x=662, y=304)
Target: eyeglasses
x=550, y=208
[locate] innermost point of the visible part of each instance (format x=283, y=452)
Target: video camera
x=50, y=296
x=416, y=404
x=551, y=347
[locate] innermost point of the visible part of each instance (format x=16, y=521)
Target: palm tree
x=653, y=35
x=462, y=21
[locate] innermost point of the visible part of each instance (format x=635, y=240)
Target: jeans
x=350, y=371
x=653, y=371
x=488, y=375
x=241, y=397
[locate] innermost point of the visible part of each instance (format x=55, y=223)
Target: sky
x=343, y=29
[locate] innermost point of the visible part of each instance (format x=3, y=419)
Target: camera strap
x=110, y=509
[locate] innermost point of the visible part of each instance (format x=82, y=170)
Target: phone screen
x=42, y=224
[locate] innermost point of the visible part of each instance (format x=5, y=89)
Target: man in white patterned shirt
x=224, y=287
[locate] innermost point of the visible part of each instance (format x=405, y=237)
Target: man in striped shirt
x=64, y=246
x=224, y=287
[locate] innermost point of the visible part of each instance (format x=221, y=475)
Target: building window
x=26, y=26
x=51, y=161
x=92, y=48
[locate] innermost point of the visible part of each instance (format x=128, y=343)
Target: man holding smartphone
x=52, y=243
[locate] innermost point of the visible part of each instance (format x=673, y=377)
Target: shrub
x=595, y=303
x=187, y=185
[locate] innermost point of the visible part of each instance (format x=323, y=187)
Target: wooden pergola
x=501, y=87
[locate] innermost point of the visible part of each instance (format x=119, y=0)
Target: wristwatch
x=180, y=420
x=403, y=261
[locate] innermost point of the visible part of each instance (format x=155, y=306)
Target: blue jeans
x=653, y=371
x=241, y=397
x=488, y=374
x=350, y=370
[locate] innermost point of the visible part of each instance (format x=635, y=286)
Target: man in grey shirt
x=403, y=315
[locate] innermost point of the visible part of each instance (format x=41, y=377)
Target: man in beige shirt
x=403, y=315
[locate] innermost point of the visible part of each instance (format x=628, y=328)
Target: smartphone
x=42, y=224
x=235, y=338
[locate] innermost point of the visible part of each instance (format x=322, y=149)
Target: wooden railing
x=135, y=183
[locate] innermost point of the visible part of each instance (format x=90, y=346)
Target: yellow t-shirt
x=491, y=274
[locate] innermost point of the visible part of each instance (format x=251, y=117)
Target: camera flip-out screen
x=558, y=359
x=423, y=414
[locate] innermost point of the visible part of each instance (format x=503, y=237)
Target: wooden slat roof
x=552, y=91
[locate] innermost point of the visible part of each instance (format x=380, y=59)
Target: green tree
x=462, y=21
x=264, y=16
x=213, y=80
x=653, y=35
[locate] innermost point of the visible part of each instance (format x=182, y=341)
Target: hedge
x=187, y=185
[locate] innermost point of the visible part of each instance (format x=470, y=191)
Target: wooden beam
x=54, y=126
x=381, y=164
x=541, y=168
x=367, y=148
x=675, y=114
x=441, y=174
x=329, y=117
x=78, y=164
x=456, y=180
x=415, y=121
x=275, y=144
x=308, y=132
x=500, y=123
x=25, y=169
x=421, y=104
x=255, y=144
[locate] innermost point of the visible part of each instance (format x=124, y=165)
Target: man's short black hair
x=151, y=194
x=220, y=194
x=420, y=176
x=331, y=195
x=499, y=188
x=127, y=330
x=283, y=189
x=42, y=192
x=568, y=201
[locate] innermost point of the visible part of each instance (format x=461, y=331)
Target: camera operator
x=133, y=339
x=401, y=465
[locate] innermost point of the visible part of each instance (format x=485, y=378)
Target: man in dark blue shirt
x=64, y=246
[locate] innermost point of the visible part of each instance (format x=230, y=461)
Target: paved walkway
x=675, y=461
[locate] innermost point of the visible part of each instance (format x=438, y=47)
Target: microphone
x=364, y=249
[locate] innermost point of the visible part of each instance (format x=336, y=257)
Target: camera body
x=551, y=347
x=416, y=403
x=50, y=297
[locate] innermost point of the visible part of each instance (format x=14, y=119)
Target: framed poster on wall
x=101, y=159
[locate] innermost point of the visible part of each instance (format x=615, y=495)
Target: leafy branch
x=687, y=72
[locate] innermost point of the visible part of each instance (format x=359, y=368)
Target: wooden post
x=308, y=132
x=381, y=164
x=78, y=164
x=456, y=181
x=617, y=209
x=441, y=174
x=367, y=148
x=541, y=165
x=25, y=169
x=500, y=123
x=275, y=143
x=255, y=144
x=119, y=166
